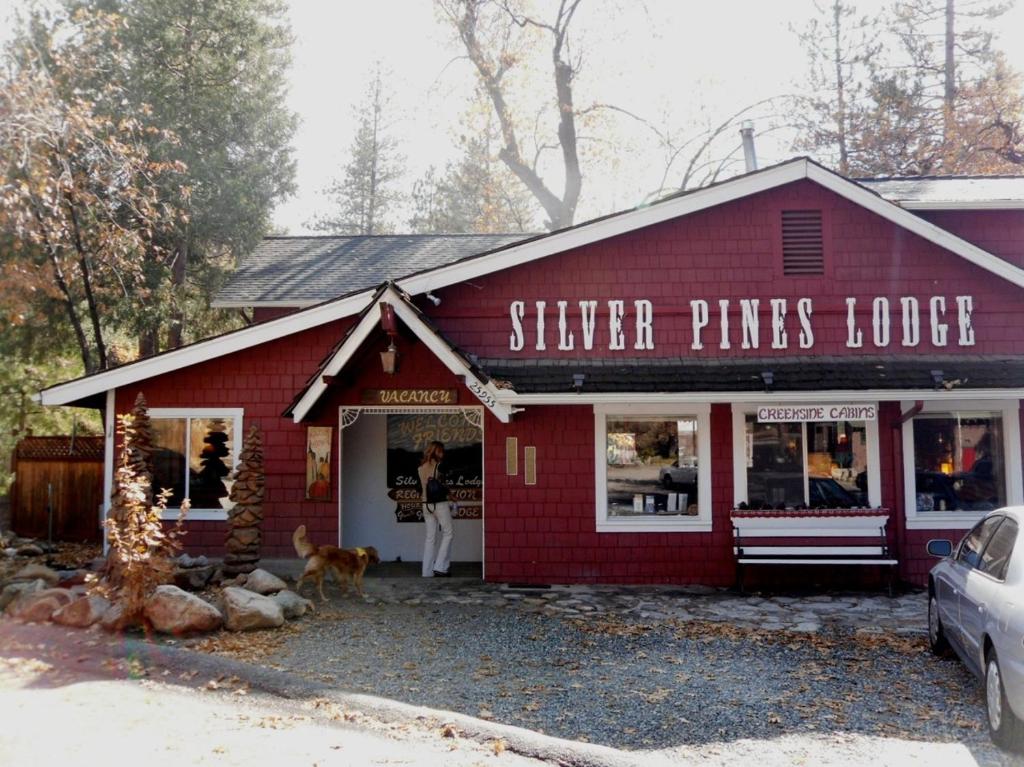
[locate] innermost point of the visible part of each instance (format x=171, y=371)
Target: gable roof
x=302, y=271
x=457, y=361
x=950, y=192
x=541, y=246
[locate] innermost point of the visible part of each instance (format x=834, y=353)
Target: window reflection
x=958, y=462
x=652, y=466
x=806, y=465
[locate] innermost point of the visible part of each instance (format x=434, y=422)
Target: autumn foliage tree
x=922, y=90
x=79, y=187
x=496, y=36
x=142, y=548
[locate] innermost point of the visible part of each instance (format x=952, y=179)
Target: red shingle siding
x=547, y=533
x=998, y=231
x=261, y=380
x=732, y=252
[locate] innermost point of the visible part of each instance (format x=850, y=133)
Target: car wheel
x=1006, y=730
x=936, y=635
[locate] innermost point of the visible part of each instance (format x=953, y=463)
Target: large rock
x=82, y=613
x=193, y=578
x=13, y=591
x=187, y=560
x=114, y=619
x=38, y=606
x=71, y=578
x=292, y=605
x=248, y=610
x=263, y=582
x=33, y=571
x=174, y=611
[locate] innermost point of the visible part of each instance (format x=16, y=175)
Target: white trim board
x=702, y=523
x=727, y=191
x=739, y=462
x=962, y=520
x=109, y=430
x=509, y=397
x=72, y=391
x=557, y=242
x=237, y=415
x=938, y=205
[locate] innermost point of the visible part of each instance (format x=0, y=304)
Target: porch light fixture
x=389, y=358
x=577, y=380
x=937, y=378
x=768, y=379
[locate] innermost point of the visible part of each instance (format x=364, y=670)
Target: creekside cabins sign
x=410, y=396
x=789, y=323
x=796, y=413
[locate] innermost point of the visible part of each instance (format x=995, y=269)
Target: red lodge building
x=786, y=363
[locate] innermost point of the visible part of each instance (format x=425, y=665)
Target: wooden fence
x=67, y=474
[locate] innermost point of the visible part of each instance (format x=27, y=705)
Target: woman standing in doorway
x=436, y=513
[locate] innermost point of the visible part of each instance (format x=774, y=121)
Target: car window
x=974, y=542
x=996, y=556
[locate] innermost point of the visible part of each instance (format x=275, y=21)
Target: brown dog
x=348, y=565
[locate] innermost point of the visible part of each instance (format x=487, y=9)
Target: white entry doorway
x=379, y=506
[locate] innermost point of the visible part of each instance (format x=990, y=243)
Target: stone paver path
x=851, y=611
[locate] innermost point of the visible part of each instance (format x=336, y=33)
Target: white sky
x=659, y=59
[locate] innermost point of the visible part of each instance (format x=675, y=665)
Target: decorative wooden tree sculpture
x=246, y=516
x=207, y=487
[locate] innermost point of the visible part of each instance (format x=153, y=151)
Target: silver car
x=976, y=606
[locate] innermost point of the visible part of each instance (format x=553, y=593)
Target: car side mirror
x=940, y=547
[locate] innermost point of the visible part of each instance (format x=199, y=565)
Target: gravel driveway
x=661, y=685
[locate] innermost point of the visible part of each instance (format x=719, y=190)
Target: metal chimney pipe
x=749, y=153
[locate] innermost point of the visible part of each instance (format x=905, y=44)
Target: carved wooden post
x=245, y=517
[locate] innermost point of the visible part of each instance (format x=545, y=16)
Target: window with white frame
x=958, y=459
x=194, y=451
x=804, y=464
x=652, y=468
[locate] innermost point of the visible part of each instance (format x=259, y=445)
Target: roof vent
x=803, y=250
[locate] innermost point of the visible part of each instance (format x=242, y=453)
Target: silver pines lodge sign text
x=880, y=322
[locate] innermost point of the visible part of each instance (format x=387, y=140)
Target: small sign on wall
x=410, y=396
x=799, y=413
x=318, y=463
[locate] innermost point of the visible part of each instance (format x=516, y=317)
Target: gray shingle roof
x=301, y=271
x=952, y=191
x=541, y=376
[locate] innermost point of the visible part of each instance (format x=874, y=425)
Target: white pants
x=441, y=516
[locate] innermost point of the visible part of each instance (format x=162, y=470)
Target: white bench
x=844, y=537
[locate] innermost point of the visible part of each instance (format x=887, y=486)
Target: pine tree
x=215, y=74
x=365, y=195
x=476, y=194
x=840, y=47
x=245, y=518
